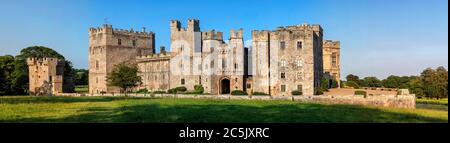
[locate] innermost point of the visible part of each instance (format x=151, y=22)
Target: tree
x=391, y=82
x=352, y=77
x=435, y=82
x=352, y=84
x=124, y=76
x=372, y=81
x=7, y=68
x=415, y=86
x=81, y=77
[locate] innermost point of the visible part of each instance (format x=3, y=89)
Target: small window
x=282, y=44
x=236, y=80
x=96, y=65
x=299, y=63
x=334, y=59
x=283, y=63
x=235, y=66
x=224, y=64
x=182, y=81
x=299, y=45
x=119, y=41
x=283, y=75
x=299, y=76
x=249, y=85
x=134, y=42
x=283, y=88
x=212, y=64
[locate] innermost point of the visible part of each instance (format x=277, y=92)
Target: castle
x=45, y=76
x=281, y=61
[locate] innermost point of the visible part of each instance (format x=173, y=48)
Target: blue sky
x=378, y=37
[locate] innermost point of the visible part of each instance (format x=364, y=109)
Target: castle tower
x=331, y=60
x=288, y=59
x=109, y=47
x=45, y=76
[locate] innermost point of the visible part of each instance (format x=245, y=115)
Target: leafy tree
x=352, y=84
x=81, y=77
x=415, y=86
x=124, y=76
x=352, y=77
x=199, y=89
x=391, y=82
x=334, y=84
x=372, y=81
x=7, y=68
x=324, y=85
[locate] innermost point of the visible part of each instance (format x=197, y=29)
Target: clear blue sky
x=378, y=37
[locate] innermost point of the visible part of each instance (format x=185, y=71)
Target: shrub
x=360, y=92
x=296, y=92
x=238, y=92
x=352, y=84
x=199, y=89
x=181, y=88
x=159, y=92
x=259, y=93
x=145, y=90
x=172, y=91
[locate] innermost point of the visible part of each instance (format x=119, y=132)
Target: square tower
x=109, y=47
x=45, y=76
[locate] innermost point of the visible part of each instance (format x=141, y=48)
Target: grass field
x=127, y=109
x=81, y=89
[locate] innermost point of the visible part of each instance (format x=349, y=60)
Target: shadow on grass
x=55, y=99
x=216, y=113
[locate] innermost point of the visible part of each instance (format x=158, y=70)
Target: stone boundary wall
x=392, y=101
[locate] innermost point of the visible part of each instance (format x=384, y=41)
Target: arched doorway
x=225, y=86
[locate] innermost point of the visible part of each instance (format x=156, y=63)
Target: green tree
x=372, y=81
x=415, y=86
x=7, y=68
x=391, y=82
x=81, y=77
x=352, y=77
x=352, y=84
x=124, y=76
x=199, y=89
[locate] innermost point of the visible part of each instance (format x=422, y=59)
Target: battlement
x=331, y=43
x=261, y=35
x=45, y=61
x=212, y=35
x=110, y=30
x=305, y=26
x=150, y=57
x=193, y=25
x=236, y=35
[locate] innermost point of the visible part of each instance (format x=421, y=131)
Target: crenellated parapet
x=44, y=61
x=331, y=43
x=153, y=57
x=108, y=29
x=212, y=35
x=193, y=26
x=236, y=34
x=260, y=35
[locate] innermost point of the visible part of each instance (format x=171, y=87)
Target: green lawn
x=123, y=109
x=81, y=89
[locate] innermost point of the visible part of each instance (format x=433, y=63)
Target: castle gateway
x=278, y=62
